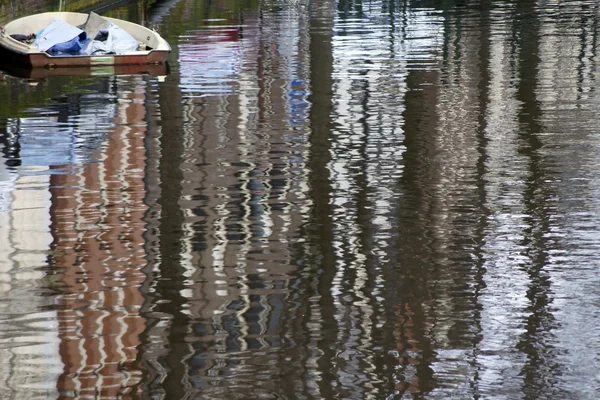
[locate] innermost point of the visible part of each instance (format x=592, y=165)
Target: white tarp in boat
x=60, y=37
x=57, y=32
x=117, y=41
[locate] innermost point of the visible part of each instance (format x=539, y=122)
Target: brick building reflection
x=98, y=226
x=241, y=203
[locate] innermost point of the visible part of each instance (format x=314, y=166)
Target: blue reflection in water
x=60, y=137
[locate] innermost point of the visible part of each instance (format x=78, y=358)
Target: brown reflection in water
x=226, y=217
x=412, y=279
x=311, y=371
x=98, y=229
x=242, y=197
x=408, y=335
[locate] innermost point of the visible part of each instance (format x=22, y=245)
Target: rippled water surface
x=316, y=200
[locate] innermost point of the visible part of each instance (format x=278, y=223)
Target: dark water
x=350, y=200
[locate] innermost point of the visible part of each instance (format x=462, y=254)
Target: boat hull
x=38, y=74
x=36, y=60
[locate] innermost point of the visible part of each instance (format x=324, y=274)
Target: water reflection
x=322, y=200
x=98, y=226
x=74, y=241
x=240, y=202
x=209, y=60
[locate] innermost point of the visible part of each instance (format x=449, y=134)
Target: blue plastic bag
x=72, y=47
x=61, y=36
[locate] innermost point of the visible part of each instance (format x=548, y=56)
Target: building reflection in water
x=321, y=201
x=243, y=197
x=98, y=227
x=29, y=337
x=83, y=171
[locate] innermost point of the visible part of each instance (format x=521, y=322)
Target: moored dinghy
x=18, y=42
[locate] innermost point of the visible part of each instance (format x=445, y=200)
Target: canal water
x=318, y=199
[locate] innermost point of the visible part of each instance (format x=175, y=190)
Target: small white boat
x=152, y=48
